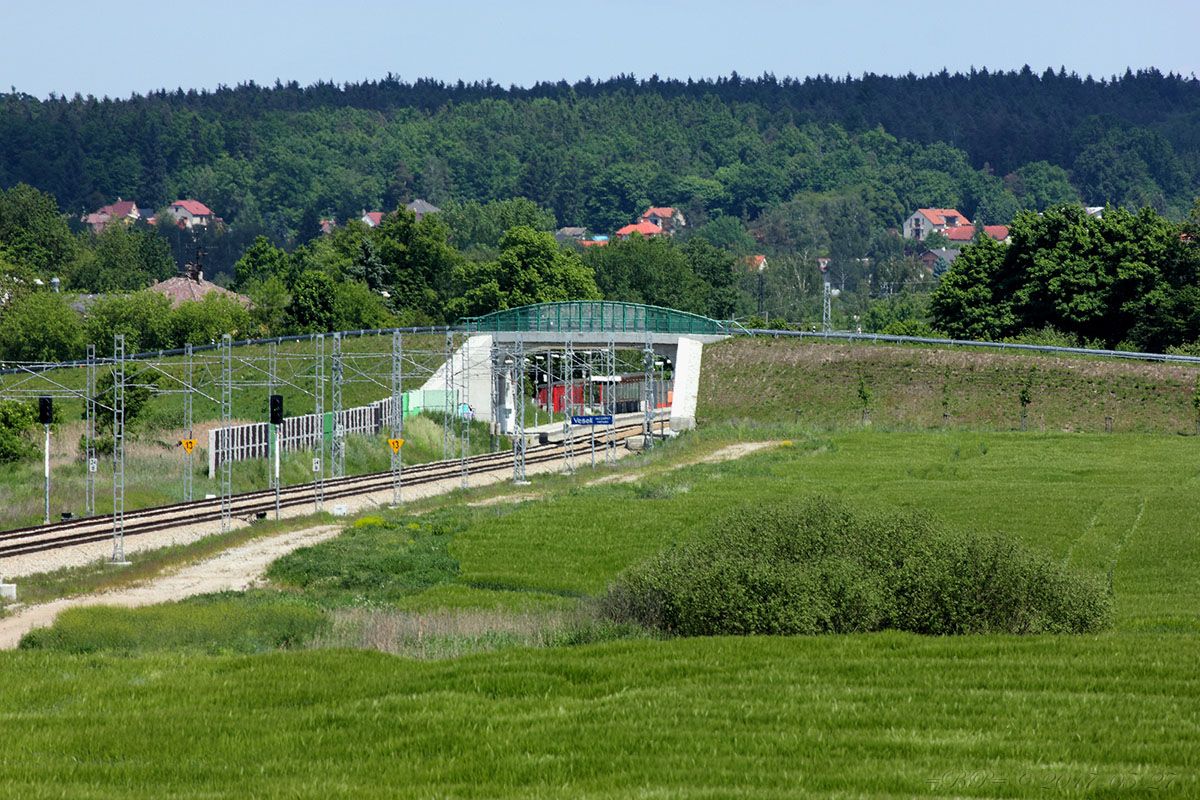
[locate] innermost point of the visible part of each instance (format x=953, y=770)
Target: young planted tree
x=865, y=396
x=1025, y=397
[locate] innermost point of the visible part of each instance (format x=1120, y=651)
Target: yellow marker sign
x=396, y=444
x=188, y=445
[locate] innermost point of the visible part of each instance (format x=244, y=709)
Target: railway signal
x=46, y=416
x=188, y=445
x=396, y=444
x=275, y=402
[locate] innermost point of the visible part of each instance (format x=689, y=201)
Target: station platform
x=554, y=431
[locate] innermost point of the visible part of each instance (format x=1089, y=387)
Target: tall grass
x=224, y=623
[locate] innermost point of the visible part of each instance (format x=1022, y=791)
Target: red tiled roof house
x=191, y=214
x=666, y=217
x=121, y=211
x=644, y=228
x=925, y=221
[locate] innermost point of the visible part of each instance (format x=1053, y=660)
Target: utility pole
x=497, y=393
x=649, y=393
x=610, y=400
x=272, y=367
x=338, y=450
x=318, y=464
x=826, y=303
x=568, y=375
x=464, y=422
x=448, y=386
x=519, y=414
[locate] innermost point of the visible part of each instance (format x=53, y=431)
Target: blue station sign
x=593, y=419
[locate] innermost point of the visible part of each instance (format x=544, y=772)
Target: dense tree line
x=1128, y=280
x=405, y=271
x=273, y=160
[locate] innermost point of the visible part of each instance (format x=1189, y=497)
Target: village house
x=665, y=217
x=191, y=214
x=937, y=261
x=422, y=207
x=644, y=228
x=756, y=263
x=925, y=221
x=190, y=285
x=372, y=219
x=568, y=234
x=125, y=211
x=963, y=234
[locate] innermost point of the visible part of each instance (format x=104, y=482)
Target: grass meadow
x=503, y=690
x=452, y=649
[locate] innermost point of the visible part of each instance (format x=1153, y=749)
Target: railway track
x=247, y=505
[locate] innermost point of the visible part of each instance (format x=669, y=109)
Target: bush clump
x=821, y=566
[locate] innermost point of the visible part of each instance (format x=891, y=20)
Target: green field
x=883, y=715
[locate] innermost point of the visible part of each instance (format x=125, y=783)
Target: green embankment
x=819, y=385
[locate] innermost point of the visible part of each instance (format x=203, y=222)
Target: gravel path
x=726, y=453
x=236, y=569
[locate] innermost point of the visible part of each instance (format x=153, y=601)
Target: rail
x=850, y=336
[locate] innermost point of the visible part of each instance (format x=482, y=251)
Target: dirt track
x=235, y=569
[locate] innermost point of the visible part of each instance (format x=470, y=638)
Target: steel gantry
x=396, y=419
x=90, y=462
x=220, y=375
x=226, y=465
x=338, y=448
x=118, y=409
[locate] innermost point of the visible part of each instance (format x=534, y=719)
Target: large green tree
x=1124, y=279
x=531, y=268
x=40, y=326
x=33, y=233
x=650, y=270
x=123, y=259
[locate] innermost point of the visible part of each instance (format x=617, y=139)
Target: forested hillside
x=793, y=170
x=596, y=153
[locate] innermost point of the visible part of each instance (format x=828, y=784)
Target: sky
x=116, y=49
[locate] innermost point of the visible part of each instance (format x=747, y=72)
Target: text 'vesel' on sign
x=395, y=444
x=188, y=445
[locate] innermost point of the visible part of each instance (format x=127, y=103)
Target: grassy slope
x=817, y=384
x=887, y=715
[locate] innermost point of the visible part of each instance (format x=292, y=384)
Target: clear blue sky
x=115, y=49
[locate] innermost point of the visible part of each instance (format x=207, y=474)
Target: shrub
x=821, y=566
x=377, y=561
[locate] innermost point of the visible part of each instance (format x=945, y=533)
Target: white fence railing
x=253, y=440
